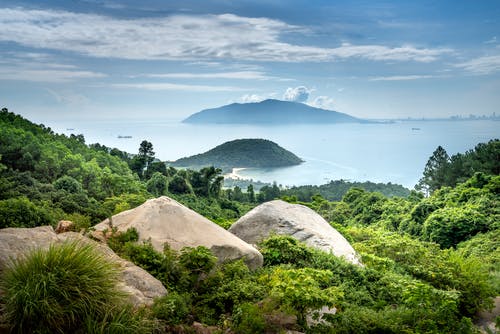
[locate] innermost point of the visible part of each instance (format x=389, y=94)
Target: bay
x=379, y=152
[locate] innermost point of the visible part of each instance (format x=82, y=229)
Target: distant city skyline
x=105, y=59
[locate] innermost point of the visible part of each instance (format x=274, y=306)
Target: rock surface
x=15, y=243
x=298, y=221
x=163, y=220
x=65, y=226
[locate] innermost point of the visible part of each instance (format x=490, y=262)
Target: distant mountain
x=269, y=112
x=242, y=153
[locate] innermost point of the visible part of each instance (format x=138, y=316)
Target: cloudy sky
x=97, y=59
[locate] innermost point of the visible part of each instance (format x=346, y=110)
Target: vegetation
x=242, y=153
x=335, y=190
x=431, y=258
x=59, y=290
x=442, y=170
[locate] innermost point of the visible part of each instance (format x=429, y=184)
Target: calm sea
x=395, y=152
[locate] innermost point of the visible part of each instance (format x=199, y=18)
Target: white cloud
x=403, y=77
x=178, y=87
x=323, y=102
x=482, y=65
x=46, y=75
x=249, y=98
x=297, y=94
x=39, y=67
x=183, y=37
x=243, y=75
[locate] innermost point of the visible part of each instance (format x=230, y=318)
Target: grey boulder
x=282, y=218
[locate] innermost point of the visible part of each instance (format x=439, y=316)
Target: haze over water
x=394, y=152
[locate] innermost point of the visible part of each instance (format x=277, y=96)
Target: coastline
x=234, y=174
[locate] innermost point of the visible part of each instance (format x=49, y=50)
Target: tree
x=157, y=184
x=251, y=193
x=179, y=185
x=435, y=172
x=146, y=151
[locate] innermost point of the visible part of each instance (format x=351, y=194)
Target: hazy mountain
x=242, y=153
x=269, y=112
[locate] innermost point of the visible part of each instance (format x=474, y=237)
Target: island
x=270, y=111
x=243, y=153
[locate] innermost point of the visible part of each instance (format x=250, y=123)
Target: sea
x=393, y=152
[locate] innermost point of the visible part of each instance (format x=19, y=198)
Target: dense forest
x=430, y=256
x=242, y=153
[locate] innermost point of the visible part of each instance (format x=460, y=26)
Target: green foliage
x=179, y=185
x=68, y=184
x=285, y=250
x=157, y=184
x=335, y=190
x=225, y=289
x=198, y=261
x=249, y=318
x=174, y=308
x=21, y=212
x=441, y=170
x=242, y=153
x=145, y=256
x=120, y=320
x=55, y=290
x=303, y=289
x=449, y=226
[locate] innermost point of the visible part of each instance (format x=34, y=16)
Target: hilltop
x=269, y=112
x=242, y=153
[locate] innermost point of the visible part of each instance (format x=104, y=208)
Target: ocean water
x=393, y=152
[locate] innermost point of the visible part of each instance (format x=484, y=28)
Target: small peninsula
x=270, y=112
x=258, y=153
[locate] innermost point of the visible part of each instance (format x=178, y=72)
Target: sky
x=156, y=59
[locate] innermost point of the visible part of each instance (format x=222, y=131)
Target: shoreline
x=234, y=174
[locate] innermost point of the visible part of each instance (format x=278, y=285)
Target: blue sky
x=103, y=59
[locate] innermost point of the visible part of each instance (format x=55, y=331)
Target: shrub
x=54, y=290
x=21, y=212
x=285, y=250
x=120, y=320
x=249, y=318
x=174, y=308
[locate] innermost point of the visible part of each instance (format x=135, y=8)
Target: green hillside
x=430, y=263
x=242, y=153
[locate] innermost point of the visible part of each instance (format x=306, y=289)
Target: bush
x=249, y=318
x=174, y=308
x=21, y=212
x=120, y=320
x=55, y=290
x=285, y=250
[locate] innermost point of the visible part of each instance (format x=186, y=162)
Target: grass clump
x=55, y=290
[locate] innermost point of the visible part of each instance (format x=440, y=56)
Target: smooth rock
x=282, y=218
x=164, y=220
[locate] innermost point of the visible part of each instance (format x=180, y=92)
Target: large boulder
x=298, y=221
x=164, y=220
x=139, y=285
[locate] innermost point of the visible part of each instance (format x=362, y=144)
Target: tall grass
x=55, y=290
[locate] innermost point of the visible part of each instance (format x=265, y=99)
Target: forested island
x=430, y=256
x=269, y=112
x=260, y=153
